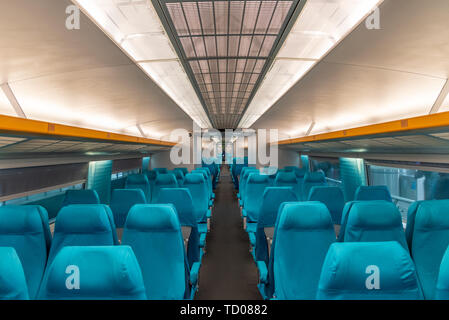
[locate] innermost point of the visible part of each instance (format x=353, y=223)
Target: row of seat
x=373, y=262
x=95, y=224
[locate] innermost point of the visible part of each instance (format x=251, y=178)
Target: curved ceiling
x=77, y=77
x=373, y=76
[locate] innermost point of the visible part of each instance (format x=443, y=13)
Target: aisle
x=228, y=270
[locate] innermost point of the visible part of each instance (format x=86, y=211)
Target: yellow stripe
x=26, y=126
x=423, y=122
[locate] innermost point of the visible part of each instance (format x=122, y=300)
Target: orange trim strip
x=26, y=126
x=422, y=122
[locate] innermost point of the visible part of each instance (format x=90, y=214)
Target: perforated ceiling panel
x=226, y=47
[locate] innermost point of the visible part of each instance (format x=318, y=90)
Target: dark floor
x=228, y=270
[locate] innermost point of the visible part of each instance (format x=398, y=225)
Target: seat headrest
x=83, y=219
x=13, y=285
x=372, y=193
x=194, y=178
x=323, y=193
x=348, y=267
x=374, y=215
x=257, y=178
x=166, y=178
x=315, y=177
x=127, y=196
x=102, y=272
x=20, y=219
x=311, y=215
x=205, y=169
x=85, y=196
x=272, y=193
x=432, y=215
x=153, y=217
x=137, y=179
x=179, y=194
x=160, y=170
x=285, y=177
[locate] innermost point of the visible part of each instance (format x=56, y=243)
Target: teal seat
x=409, y=228
x=163, y=180
x=196, y=183
x=83, y=225
x=151, y=176
x=207, y=176
x=332, y=197
x=272, y=199
x=182, y=200
x=243, y=180
x=429, y=242
x=182, y=169
x=93, y=273
x=255, y=188
x=122, y=200
x=13, y=285
x=442, y=289
x=304, y=232
x=26, y=229
x=368, y=193
x=288, y=179
x=82, y=196
x=310, y=180
x=373, y=221
x=368, y=271
x=139, y=181
x=154, y=233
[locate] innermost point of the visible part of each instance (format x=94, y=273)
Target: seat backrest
x=304, y=233
x=368, y=271
x=139, y=181
x=442, y=289
x=207, y=176
x=154, y=233
x=410, y=227
x=244, y=179
x=26, y=229
x=255, y=188
x=93, y=273
x=13, y=285
x=83, y=225
x=196, y=184
x=373, y=221
x=364, y=193
x=310, y=180
x=332, y=197
x=83, y=196
x=163, y=180
x=429, y=242
x=288, y=179
x=122, y=200
x=182, y=200
x=272, y=198
x=151, y=175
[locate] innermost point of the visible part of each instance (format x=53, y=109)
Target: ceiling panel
x=225, y=46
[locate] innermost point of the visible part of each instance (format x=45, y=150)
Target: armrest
x=209, y=213
x=252, y=238
x=213, y=195
x=211, y=203
x=238, y=195
x=202, y=240
x=194, y=273
x=244, y=213
x=241, y=202
x=263, y=271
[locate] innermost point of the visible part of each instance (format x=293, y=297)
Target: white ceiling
x=77, y=77
x=372, y=76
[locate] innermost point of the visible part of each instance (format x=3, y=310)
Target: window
x=409, y=185
x=330, y=167
x=42, y=195
x=123, y=174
